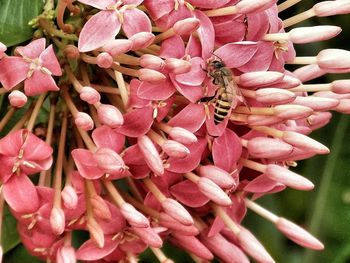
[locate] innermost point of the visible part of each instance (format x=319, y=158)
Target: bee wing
x=232, y=88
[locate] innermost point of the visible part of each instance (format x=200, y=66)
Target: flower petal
x=21, y=195
x=33, y=49
x=161, y=91
x=206, y=34
x=89, y=251
x=158, y=8
x=192, y=93
x=104, y=136
x=188, y=194
x=172, y=47
x=39, y=83
x=49, y=60
x=101, y=4
x=98, y=31
x=195, y=76
x=86, y=164
x=13, y=70
x=185, y=118
x=135, y=21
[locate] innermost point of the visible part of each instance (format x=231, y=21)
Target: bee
x=227, y=93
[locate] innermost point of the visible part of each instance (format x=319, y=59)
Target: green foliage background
x=324, y=211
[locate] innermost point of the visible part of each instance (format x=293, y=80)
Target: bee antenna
x=216, y=56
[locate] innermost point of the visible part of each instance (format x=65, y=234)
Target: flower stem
x=7, y=117
x=35, y=112
x=287, y=4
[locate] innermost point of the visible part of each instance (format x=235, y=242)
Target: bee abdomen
x=222, y=108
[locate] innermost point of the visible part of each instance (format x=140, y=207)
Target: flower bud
x=104, y=60
x=260, y=78
x=96, y=232
x=134, y=217
x=109, y=161
x=263, y=147
x=250, y=6
x=316, y=103
x=331, y=8
x=171, y=223
x=177, y=66
x=182, y=135
x=71, y=51
x=288, y=82
x=84, y=121
x=341, y=86
x=334, y=58
x=150, y=154
x=148, y=236
x=263, y=120
x=319, y=120
x=301, y=35
x=218, y=176
x=304, y=142
x=110, y=115
x=177, y=211
x=186, y=26
x=116, y=47
x=213, y=192
x=69, y=197
x=141, y=40
x=57, y=220
x=152, y=62
x=17, y=98
x=288, y=178
x=309, y=72
x=151, y=76
x=343, y=106
x=90, y=95
x=66, y=254
x=293, y=112
x=252, y=246
x=175, y=149
x=100, y=208
x=274, y=96
x=298, y=234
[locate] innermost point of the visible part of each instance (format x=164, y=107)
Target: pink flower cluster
x=141, y=156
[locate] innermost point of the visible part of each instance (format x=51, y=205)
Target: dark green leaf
x=10, y=237
x=14, y=18
x=20, y=254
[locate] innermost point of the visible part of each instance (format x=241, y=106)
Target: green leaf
x=10, y=238
x=20, y=254
x=14, y=18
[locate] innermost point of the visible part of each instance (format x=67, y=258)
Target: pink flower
x=105, y=25
x=35, y=65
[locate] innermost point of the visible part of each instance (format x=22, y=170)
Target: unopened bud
x=341, y=86
x=96, y=232
x=116, y=47
x=213, y=192
x=17, y=98
x=252, y=246
x=182, y=135
x=343, y=106
x=298, y=234
x=250, y=6
x=175, y=149
x=260, y=78
x=69, y=197
x=152, y=62
x=293, y=112
x=171, y=223
x=109, y=161
x=309, y=72
x=177, y=211
x=331, y=8
x=71, y=51
x=57, y=220
x=141, y=40
x=151, y=76
x=316, y=103
x=148, y=236
x=84, y=121
x=104, y=60
x=288, y=178
x=90, y=95
x=218, y=176
x=178, y=66
x=263, y=147
x=110, y=115
x=334, y=58
x=66, y=254
x=134, y=217
x=100, y=208
x=301, y=35
x=304, y=142
x=150, y=154
x=274, y=96
x=186, y=26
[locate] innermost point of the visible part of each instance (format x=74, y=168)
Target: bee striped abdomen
x=222, y=107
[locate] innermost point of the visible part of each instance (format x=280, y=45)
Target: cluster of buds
x=169, y=119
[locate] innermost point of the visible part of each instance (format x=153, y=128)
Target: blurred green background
x=325, y=211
